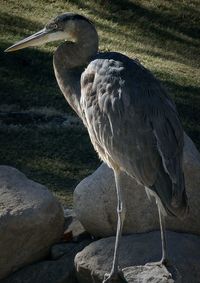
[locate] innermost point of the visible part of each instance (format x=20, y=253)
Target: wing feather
x=135, y=126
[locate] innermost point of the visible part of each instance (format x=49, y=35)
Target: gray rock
x=95, y=201
x=61, y=249
x=72, y=224
x=73, y=229
x=49, y=271
x=149, y=274
x=69, y=214
x=136, y=250
x=58, y=271
x=31, y=220
x=69, y=249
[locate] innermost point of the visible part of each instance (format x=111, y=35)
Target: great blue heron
x=132, y=123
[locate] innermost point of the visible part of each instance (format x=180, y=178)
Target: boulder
x=95, y=201
x=31, y=220
x=60, y=270
x=135, y=251
x=56, y=271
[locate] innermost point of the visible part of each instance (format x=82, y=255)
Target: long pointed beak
x=36, y=39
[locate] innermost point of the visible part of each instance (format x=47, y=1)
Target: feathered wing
x=169, y=184
x=135, y=125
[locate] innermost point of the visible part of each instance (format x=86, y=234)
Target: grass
x=163, y=35
x=56, y=156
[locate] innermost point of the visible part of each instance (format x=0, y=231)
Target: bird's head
x=64, y=27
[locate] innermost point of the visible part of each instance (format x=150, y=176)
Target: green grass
x=56, y=156
x=163, y=35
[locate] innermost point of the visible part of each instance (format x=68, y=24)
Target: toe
x=114, y=277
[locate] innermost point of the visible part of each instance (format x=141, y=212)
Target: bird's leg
x=164, y=260
x=116, y=274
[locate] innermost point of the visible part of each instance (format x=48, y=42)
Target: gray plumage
x=132, y=123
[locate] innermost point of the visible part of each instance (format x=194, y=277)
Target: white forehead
x=57, y=35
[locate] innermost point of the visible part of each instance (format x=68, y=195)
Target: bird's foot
x=114, y=277
x=163, y=262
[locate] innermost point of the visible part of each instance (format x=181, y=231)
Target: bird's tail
x=171, y=197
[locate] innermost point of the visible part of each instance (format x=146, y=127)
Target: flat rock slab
x=137, y=250
x=31, y=220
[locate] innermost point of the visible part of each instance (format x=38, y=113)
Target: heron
x=132, y=122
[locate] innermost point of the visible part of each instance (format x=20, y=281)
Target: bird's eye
x=51, y=26
x=54, y=26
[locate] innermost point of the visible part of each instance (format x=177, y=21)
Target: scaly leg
x=164, y=260
x=116, y=274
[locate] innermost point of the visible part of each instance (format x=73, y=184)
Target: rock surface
x=58, y=250
x=50, y=271
x=95, y=201
x=149, y=274
x=96, y=259
x=31, y=220
x=73, y=228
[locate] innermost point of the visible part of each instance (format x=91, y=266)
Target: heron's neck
x=70, y=60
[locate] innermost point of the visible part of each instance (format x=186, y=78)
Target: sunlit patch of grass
x=163, y=35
